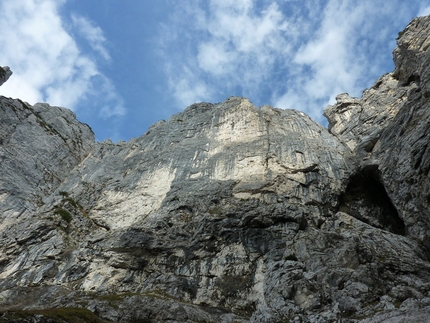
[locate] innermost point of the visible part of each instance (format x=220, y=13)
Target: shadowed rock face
x=5, y=73
x=225, y=212
x=365, y=198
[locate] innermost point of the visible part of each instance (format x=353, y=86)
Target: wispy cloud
x=188, y=87
x=346, y=52
x=424, y=11
x=241, y=38
x=93, y=34
x=291, y=54
x=230, y=45
x=47, y=63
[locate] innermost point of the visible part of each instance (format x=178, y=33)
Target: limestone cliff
x=225, y=212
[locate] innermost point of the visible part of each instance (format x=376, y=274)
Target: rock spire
x=5, y=73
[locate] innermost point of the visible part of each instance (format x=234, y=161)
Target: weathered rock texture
x=226, y=212
x=5, y=73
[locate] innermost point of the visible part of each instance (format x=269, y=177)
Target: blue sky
x=123, y=65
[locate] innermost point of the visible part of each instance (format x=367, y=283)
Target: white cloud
x=46, y=62
x=291, y=54
x=245, y=39
x=188, y=87
x=93, y=34
x=341, y=54
x=233, y=43
x=425, y=11
x=215, y=58
x=326, y=63
x=112, y=104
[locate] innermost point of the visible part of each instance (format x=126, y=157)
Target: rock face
x=225, y=212
x=5, y=73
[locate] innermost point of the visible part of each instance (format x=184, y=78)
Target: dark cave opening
x=366, y=199
x=414, y=78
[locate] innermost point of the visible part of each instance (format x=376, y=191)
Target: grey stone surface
x=226, y=212
x=5, y=73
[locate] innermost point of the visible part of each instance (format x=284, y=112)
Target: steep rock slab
x=224, y=212
x=178, y=185
x=404, y=147
x=358, y=123
x=39, y=146
x=231, y=142
x=188, y=208
x=387, y=130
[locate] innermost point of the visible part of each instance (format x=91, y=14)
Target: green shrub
x=71, y=201
x=400, y=34
x=70, y=315
x=65, y=215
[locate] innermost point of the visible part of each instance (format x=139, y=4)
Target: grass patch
x=72, y=202
x=65, y=215
x=115, y=297
x=69, y=315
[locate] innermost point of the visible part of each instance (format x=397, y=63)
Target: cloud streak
x=93, y=34
x=47, y=62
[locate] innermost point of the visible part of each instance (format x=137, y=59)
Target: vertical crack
x=269, y=148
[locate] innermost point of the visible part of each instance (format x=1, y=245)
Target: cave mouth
x=366, y=199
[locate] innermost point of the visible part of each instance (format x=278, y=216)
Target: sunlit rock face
x=225, y=212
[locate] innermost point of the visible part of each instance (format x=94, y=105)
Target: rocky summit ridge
x=225, y=212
